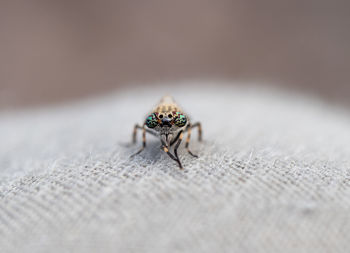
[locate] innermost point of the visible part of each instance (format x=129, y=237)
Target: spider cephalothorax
x=169, y=123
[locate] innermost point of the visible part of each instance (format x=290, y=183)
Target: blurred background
x=58, y=50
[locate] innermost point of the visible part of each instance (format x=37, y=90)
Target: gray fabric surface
x=273, y=176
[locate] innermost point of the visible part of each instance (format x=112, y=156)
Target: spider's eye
x=180, y=120
x=161, y=116
x=152, y=121
x=170, y=116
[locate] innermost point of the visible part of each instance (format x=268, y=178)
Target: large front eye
x=180, y=120
x=152, y=121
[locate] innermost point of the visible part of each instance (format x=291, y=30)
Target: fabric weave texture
x=273, y=175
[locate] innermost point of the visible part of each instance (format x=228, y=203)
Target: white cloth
x=273, y=176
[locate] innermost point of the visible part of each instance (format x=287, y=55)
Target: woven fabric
x=273, y=175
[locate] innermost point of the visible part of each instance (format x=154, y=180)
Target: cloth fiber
x=273, y=175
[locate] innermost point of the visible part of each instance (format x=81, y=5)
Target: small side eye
x=170, y=116
x=161, y=116
x=151, y=121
